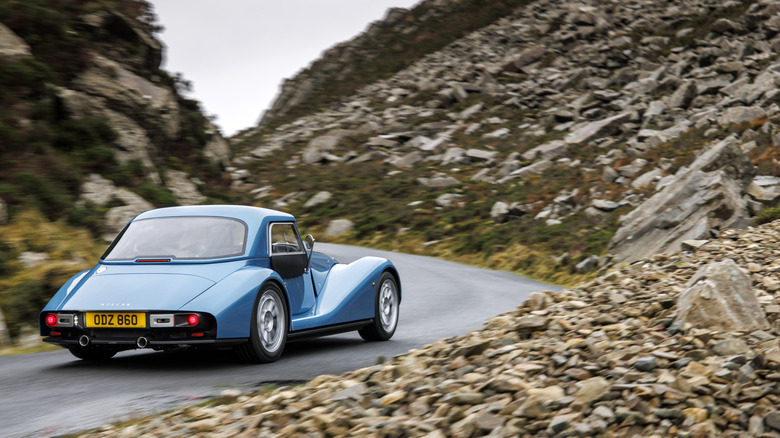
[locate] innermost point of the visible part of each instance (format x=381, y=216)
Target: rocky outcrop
x=185, y=190
x=611, y=357
x=99, y=191
x=702, y=200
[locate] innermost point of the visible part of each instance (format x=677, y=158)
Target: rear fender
x=348, y=294
x=70, y=285
x=232, y=300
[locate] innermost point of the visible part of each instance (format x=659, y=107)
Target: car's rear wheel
x=268, y=329
x=385, y=310
x=92, y=353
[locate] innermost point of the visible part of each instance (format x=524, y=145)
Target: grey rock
x=529, y=56
x=740, y=114
x=538, y=167
x=683, y=96
x=499, y=212
x=480, y=155
x=319, y=198
x=217, y=151
x=730, y=347
x=594, y=130
x=183, y=188
x=726, y=26
x=720, y=297
x=761, y=194
x=406, y=161
x=30, y=259
x=546, y=151
x=588, y=264
x=11, y=45
x=338, y=227
x=325, y=143
x=693, y=245
x=439, y=180
x=447, y=200
x=646, y=364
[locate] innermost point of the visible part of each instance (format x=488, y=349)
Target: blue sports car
x=228, y=276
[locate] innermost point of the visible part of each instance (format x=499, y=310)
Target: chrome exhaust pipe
x=142, y=342
x=84, y=340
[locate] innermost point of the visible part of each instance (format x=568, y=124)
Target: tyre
x=385, y=311
x=92, y=353
x=268, y=327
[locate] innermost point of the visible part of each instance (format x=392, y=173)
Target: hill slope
x=525, y=144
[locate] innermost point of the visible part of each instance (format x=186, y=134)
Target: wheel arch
x=394, y=272
x=283, y=289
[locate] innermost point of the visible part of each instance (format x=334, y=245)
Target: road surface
x=53, y=393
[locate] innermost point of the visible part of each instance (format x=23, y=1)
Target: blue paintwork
x=329, y=293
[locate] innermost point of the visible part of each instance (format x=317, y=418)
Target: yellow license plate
x=115, y=320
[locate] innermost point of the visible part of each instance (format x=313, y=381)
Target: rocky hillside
x=385, y=47
x=557, y=140
x=681, y=344
x=92, y=132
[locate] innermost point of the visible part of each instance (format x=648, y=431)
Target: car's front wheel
x=92, y=353
x=268, y=329
x=385, y=311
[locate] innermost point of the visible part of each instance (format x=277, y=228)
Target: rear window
x=180, y=238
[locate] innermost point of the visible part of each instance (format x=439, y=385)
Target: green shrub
x=157, y=195
x=46, y=196
x=767, y=215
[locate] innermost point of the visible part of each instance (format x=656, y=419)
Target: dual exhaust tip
x=141, y=342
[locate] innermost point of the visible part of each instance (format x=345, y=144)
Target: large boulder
x=720, y=297
x=707, y=197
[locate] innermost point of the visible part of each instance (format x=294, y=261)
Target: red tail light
x=193, y=320
x=51, y=320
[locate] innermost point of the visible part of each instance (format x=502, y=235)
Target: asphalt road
x=53, y=393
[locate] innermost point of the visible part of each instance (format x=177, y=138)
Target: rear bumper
x=159, y=330
x=127, y=343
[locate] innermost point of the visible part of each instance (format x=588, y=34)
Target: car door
x=289, y=259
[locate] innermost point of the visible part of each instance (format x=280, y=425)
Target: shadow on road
x=198, y=360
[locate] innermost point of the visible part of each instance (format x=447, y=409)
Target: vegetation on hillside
x=48, y=153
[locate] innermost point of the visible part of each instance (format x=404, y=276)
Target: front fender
x=232, y=300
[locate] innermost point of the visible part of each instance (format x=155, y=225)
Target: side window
x=284, y=239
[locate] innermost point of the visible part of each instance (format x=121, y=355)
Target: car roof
x=252, y=216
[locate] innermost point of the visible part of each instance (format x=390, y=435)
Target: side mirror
x=308, y=241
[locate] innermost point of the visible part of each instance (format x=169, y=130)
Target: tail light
x=51, y=320
x=193, y=320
